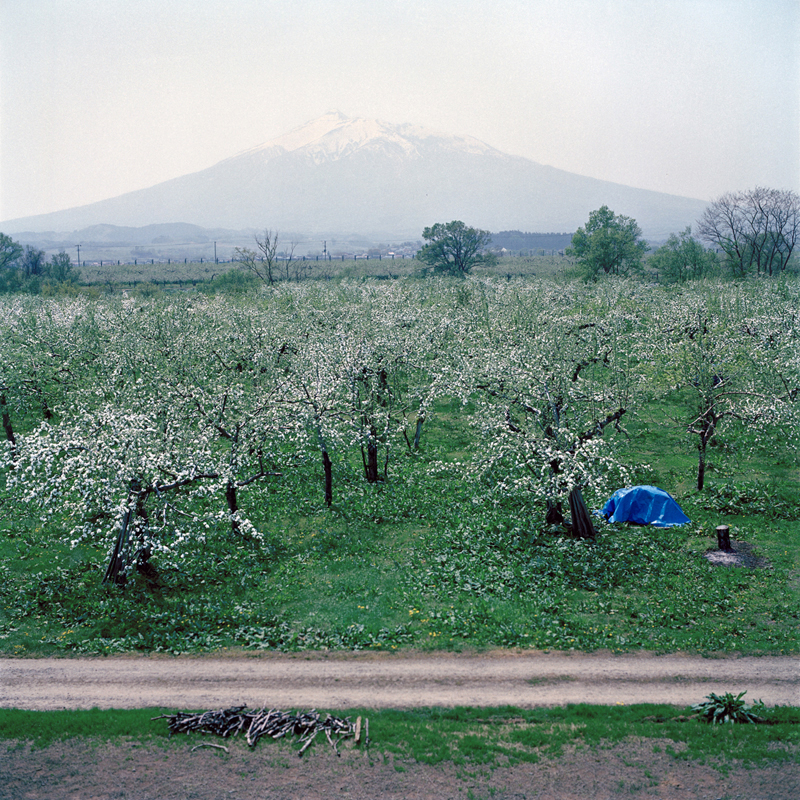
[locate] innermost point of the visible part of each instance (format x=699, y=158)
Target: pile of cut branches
x=276, y=724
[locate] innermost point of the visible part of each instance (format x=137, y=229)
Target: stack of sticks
x=276, y=724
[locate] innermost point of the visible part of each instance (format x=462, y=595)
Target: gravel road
x=339, y=681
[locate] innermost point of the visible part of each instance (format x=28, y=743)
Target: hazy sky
x=692, y=97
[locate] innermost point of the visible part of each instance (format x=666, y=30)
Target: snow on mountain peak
x=334, y=135
x=309, y=134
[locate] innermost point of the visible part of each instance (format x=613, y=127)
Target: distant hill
x=119, y=235
x=342, y=175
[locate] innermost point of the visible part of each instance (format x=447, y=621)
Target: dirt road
x=391, y=681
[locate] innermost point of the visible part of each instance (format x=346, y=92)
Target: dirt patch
x=80, y=770
x=740, y=555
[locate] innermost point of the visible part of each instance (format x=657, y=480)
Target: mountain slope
x=340, y=175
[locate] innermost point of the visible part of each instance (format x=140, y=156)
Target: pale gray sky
x=692, y=97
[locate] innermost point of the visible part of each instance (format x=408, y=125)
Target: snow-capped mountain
x=334, y=136
x=338, y=174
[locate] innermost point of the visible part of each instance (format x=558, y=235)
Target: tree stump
x=724, y=538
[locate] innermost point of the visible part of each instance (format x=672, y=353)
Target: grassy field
x=416, y=565
x=440, y=573
x=433, y=557
x=158, y=276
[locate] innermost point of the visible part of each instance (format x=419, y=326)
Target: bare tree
x=290, y=261
x=263, y=263
x=757, y=230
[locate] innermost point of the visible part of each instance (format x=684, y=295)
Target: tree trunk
x=701, y=465
x=375, y=386
x=705, y=437
x=121, y=555
x=706, y=433
x=143, y=552
x=115, y=572
x=141, y=511
x=7, y=423
x=554, y=515
x=369, y=457
x=418, y=432
x=233, y=507
x=326, y=465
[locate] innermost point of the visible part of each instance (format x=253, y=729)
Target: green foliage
x=234, y=281
x=683, y=258
x=26, y=270
x=11, y=281
x=10, y=251
x=455, y=249
x=770, y=501
x=60, y=269
x=726, y=708
x=609, y=244
x=32, y=262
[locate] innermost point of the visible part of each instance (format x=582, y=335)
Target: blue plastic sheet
x=644, y=505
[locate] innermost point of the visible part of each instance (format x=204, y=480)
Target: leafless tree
x=757, y=230
x=290, y=261
x=268, y=263
x=263, y=263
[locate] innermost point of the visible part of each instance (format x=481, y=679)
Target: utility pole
x=324, y=249
x=215, y=253
x=79, y=255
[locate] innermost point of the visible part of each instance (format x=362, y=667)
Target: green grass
x=43, y=728
x=490, y=737
x=415, y=563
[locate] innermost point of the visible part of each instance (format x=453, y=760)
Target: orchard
x=378, y=464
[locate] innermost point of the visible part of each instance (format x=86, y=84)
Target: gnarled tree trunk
x=233, y=506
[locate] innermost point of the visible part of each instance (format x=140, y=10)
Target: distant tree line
x=754, y=232
x=26, y=269
x=517, y=240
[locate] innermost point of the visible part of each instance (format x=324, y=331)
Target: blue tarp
x=644, y=505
